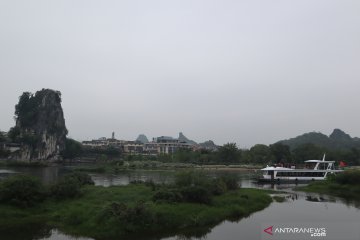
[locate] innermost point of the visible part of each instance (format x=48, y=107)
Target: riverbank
x=113, y=167
x=112, y=212
x=349, y=192
x=345, y=185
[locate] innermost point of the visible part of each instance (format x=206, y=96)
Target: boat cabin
x=314, y=170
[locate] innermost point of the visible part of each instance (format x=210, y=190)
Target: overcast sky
x=254, y=71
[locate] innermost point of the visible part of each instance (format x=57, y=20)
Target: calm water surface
x=298, y=207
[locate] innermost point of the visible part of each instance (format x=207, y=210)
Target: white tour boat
x=317, y=170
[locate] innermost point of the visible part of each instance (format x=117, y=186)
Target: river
x=299, y=208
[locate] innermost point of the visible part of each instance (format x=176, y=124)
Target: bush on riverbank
x=168, y=196
x=351, y=177
x=27, y=191
x=345, y=185
x=65, y=188
x=70, y=185
x=195, y=187
x=21, y=191
x=128, y=216
x=231, y=182
x=196, y=194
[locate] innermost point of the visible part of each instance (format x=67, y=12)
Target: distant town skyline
x=229, y=71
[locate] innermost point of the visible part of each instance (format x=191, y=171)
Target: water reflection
x=296, y=209
x=125, y=177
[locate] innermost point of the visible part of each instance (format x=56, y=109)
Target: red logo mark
x=269, y=230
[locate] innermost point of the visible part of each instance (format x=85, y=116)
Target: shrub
x=192, y=178
x=230, y=181
x=81, y=178
x=218, y=187
x=167, y=195
x=131, y=218
x=351, y=177
x=137, y=181
x=65, y=188
x=196, y=194
x=151, y=183
x=70, y=185
x=22, y=191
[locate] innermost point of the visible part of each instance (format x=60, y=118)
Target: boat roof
x=317, y=161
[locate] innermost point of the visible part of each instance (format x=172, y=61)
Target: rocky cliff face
x=40, y=126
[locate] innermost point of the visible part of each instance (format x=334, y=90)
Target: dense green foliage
x=117, y=211
x=129, y=216
x=168, y=195
x=195, y=187
x=65, y=188
x=196, y=194
x=28, y=137
x=22, y=191
x=26, y=191
x=72, y=149
x=351, y=177
x=229, y=153
x=345, y=184
x=70, y=185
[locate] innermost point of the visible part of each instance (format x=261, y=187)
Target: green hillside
x=338, y=140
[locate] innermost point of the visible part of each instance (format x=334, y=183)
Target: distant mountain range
x=338, y=139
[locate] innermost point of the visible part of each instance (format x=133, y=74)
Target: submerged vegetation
x=75, y=206
x=345, y=185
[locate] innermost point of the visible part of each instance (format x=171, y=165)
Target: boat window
x=301, y=174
